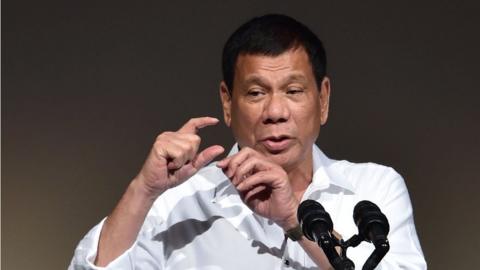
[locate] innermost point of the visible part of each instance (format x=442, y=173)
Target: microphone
x=314, y=220
x=372, y=226
x=318, y=226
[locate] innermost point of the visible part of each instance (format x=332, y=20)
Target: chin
x=285, y=159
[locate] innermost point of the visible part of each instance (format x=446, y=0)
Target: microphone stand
x=381, y=248
x=342, y=262
x=328, y=244
x=373, y=227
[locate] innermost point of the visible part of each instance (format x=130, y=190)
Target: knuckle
x=164, y=135
x=175, y=151
x=234, y=163
x=282, y=174
x=193, y=139
x=190, y=148
x=247, y=149
x=179, y=160
x=181, y=150
x=157, y=149
x=256, y=160
x=157, y=145
x=196, y=139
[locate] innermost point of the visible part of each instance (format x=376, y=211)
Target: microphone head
x=367, y=214
x=307, y=206
x=311, y=213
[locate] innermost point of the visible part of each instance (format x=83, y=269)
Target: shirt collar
x=325, y=173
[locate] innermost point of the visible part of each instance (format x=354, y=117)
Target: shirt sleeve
x=138, y=256
x=86, y=252
x=149, y=251
x=405, y=251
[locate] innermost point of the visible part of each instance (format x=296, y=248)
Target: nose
x=276, y=110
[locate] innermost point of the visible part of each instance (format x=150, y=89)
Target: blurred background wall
x=87, y=86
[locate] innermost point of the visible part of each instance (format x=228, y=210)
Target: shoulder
x=369, y=170
x=356, y=176
x=370, y=178
x=377, y=183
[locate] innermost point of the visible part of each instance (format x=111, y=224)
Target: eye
x=294, y=91
x=255, y=92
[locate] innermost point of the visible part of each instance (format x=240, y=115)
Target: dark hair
x=272, y=35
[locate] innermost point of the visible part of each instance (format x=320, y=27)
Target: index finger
x=194, y=124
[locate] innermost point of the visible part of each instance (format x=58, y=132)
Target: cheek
x=308, y=121
x=244, y=124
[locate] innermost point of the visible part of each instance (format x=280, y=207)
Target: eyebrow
x=296, y=77
x=256, y=79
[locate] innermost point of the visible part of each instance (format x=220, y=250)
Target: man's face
x=276, y=106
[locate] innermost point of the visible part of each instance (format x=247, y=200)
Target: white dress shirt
x=203, y=223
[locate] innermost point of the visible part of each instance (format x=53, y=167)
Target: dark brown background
x=87, y=86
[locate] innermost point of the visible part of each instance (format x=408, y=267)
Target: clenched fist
x=174, y=158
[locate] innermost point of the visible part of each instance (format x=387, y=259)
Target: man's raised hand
x=174, y=157
x=263, y=185
x=172, y=160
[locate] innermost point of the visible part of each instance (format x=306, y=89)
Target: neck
x=301, y=176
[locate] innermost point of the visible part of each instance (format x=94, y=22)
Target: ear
x=226, y=103
x=324, y=99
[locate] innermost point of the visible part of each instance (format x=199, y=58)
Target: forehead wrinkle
x=275, y=67
x=294, y=77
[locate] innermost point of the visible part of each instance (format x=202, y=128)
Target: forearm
x=315, y=253
x=122, y=226
x=310, y=247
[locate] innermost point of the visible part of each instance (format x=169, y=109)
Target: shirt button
x=287, y=262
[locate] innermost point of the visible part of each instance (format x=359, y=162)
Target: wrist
x=291, y=227
x=289, y=223
x=291, y=220
x=295, y=233
x=143, y=192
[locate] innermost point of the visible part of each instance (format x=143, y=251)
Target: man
x=238, y=212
